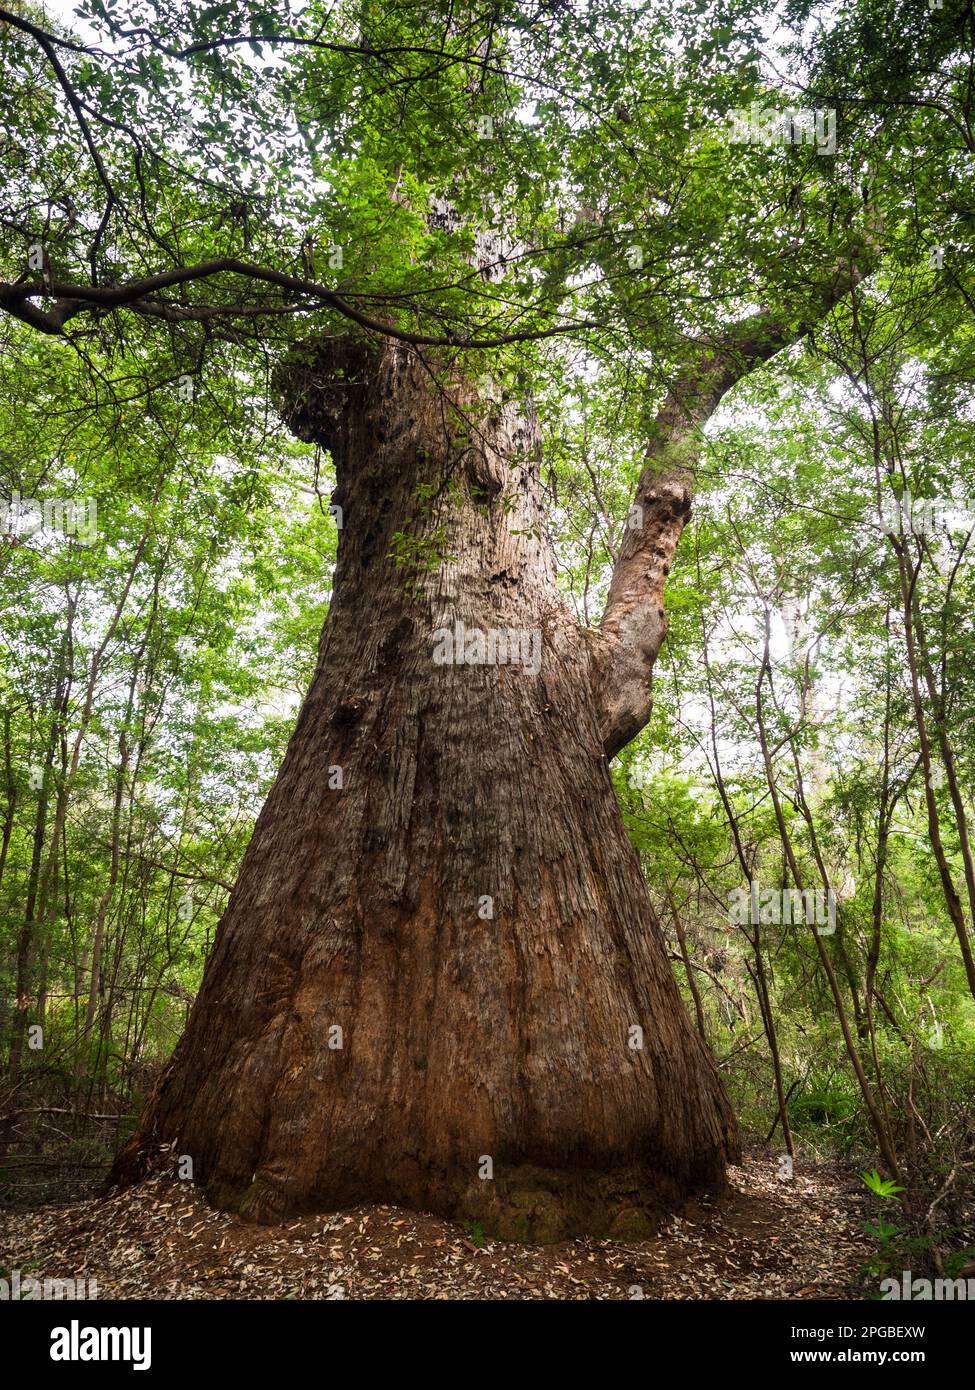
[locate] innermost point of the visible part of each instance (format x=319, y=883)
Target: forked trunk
x=439, y=981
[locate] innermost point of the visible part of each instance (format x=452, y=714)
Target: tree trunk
x=441, y=872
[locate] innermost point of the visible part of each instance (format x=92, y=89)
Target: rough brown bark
x=467, y=789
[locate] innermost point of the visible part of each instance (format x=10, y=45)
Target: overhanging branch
x=75, y=298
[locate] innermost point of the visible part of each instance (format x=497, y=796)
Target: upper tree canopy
x=230, y=169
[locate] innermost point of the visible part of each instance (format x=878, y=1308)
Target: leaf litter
x=765, y=1239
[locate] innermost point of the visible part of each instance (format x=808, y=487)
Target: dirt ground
x=769, y=1238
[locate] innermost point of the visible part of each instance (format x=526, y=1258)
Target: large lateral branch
x=634, y=624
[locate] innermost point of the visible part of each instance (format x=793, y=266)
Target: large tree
x=441, y=871
x=439, y=980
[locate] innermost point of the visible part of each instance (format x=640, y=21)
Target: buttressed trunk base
x=439, y=981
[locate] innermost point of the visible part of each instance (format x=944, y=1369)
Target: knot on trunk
x=320, y=381
x=487, y=471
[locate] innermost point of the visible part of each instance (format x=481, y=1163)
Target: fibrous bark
x=461, y=900
x=439, y=980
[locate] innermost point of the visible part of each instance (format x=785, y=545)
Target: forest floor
x=768, y=1238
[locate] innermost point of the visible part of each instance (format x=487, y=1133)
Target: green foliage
x=881, y=1187
x=555, y=181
